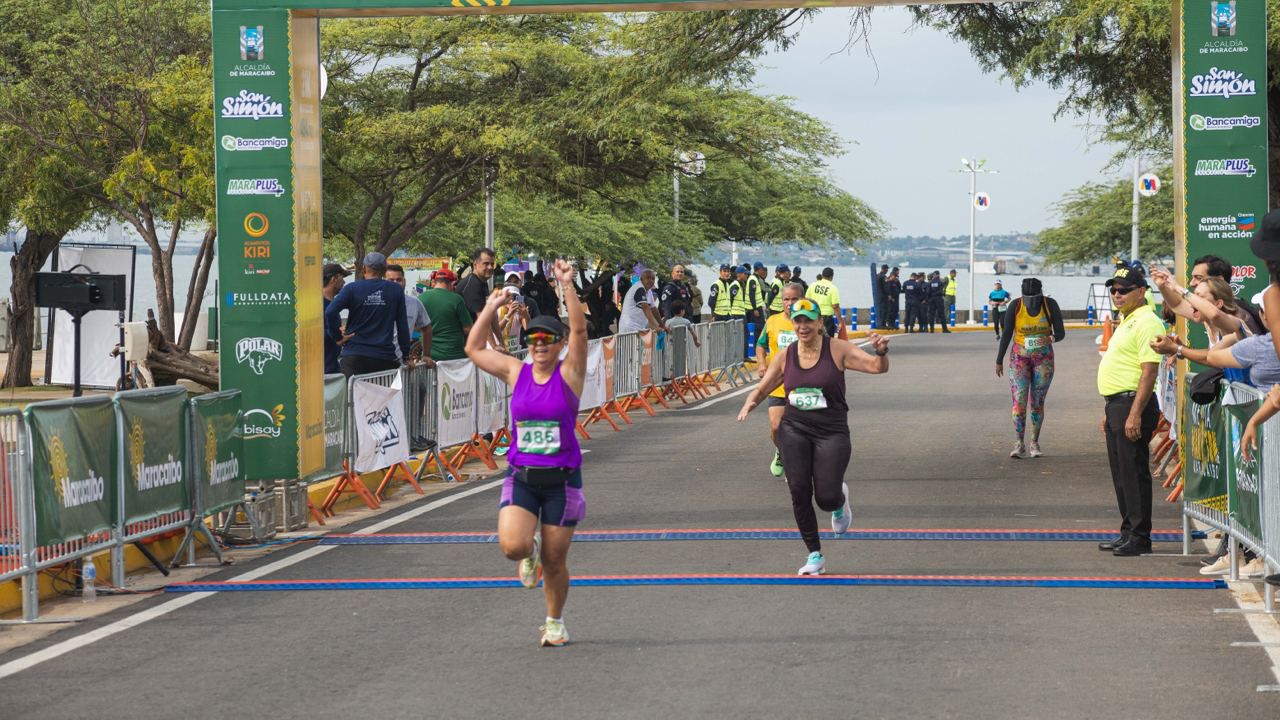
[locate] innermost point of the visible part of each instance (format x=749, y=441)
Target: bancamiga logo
x=383, y=430
x=453, y=401
x=1238, y=167
x=238, y=299
x=149, y=477
x=251, y=105
x=1201, y=123
x=1220, y=83
x=255, y=186
x=72, y=493
x=266, y=427
x=233, y=143
x=257, y=351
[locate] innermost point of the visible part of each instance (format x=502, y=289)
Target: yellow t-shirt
x=779, y=332
x=1033, y=332
x=1130, y=347
x=824, y=293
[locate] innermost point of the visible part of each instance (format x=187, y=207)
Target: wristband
x=1178, y=352
x=882, y=353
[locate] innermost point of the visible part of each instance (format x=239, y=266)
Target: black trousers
x=1131, y=466
x=891, y=312
x=815, y=463
x=360, y=365
x=912, y=311
x=997, y=320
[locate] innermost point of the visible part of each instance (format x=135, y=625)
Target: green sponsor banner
x=218, y=445
x=1204, y=469
x=1224, y=88
x=73, y=466
x=335, y=425
x=154, y=423
x=255, y=205
x=1246, y=475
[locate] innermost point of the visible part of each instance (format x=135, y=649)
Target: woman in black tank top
x=814, y=434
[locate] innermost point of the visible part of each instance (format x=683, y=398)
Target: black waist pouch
x=543, y=476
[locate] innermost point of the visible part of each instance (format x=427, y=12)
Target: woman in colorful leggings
x=1033, y=324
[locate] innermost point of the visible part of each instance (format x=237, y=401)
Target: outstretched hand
x=497, y=299
x=563, y=271
x=879, y=343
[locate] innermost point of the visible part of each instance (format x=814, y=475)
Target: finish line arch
x=266, y=61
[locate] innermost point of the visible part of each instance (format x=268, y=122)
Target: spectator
x=451, y=321
x=416, y=315
x=674, y=290
x=638, y=307
x=376, y=321
x=1255, y=354
x=1208, y=266
x=474, y=288
x=695, y=297
x=335, y=276
x=678, y=320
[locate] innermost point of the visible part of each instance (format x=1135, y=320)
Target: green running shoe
x=775, y=467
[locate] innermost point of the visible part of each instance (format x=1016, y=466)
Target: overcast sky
x=909, y=116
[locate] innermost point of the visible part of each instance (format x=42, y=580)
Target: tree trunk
x=169, y=363
x=195, y=289
x=24, y=264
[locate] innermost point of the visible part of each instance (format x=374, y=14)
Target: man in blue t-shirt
x=376, y=321
x=998, y=300
x=335, y=277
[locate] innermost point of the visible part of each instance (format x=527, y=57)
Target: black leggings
x=815, y=464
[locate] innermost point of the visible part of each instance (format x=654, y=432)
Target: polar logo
x=256, y=351
x=383, y=430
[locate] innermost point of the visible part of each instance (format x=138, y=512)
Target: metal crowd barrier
x=626, y=367
x=420, y=405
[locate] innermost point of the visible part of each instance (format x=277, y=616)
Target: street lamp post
x=974, y=168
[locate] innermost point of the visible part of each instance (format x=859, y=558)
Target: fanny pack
x=543, y=476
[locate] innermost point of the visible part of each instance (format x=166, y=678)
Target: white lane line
x=734, y=394
x=23, y=663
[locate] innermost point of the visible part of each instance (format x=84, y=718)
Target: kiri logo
x=255, y=186
x=257, y=351
x=1201, y=123
x=383, y=430
x=251, y=39
x=1236, y=167
x=251, y=105
x=231, y=143
x=260, y=424
x=1221, y=83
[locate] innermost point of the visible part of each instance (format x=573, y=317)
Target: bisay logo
x=251, y=105
x=149, y=477
x=256, y=351
x=1222, y=83
x=72, y=493
x=261, y=430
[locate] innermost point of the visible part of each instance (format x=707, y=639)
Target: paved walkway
x=931, y=451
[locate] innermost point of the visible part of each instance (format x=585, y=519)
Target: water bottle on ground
x=89, y=577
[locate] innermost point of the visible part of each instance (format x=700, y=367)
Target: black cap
x=332, y=269
x=1129, y=276
x=1266, y=244
x=546, y=323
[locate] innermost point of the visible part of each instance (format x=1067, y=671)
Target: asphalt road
x=931, y=442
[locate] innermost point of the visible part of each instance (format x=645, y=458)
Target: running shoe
x=815, y=565
x=1034, y=450
x=554, y=634
x=1221, y=566
x=1019, y=450
x=841, y=519
x=1255, y=568
x=531, y=567
x=775, y=467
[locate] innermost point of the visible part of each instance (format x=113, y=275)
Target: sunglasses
x=541, y=338
x=1116, y=290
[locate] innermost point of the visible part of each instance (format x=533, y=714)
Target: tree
x=1098, y=220
x=126, y=120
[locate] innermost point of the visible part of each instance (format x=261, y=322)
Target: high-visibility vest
x=775, y=287
x=726, y=291
x=951, y=286
x=741, y=304
x=756, y=288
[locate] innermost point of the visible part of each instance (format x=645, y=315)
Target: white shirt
x=633, y=317
x=417, y=317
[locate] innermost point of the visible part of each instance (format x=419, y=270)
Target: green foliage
x=1098, y=220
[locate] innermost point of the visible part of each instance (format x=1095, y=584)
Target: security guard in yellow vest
x=750, y=299
x=773, y=296
x=723, y=296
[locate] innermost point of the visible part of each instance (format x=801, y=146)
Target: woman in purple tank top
x=544, y=476
x=814, y=433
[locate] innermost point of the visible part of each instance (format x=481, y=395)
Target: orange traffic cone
x=1107, y=328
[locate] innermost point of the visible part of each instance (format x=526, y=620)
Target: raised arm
x=1171, y=293
x=497, y=364
x=574, y=367
x=855, y=358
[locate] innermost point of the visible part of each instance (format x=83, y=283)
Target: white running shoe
x=1034, y=450
x=531, y=567
x=1019, y=450
x=1255, y=568
x=554, y=634
x=815, y=565
x=1221, y=566
x=841, y=519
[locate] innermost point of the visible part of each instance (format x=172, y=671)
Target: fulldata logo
x=1221, y=83
x=1222, y=18
x=232, y=143
x=251, y=105
x=259, y=299
x=260, y=424
x=257, y=351
x=255, y=186
x=149, y=477
x=251, y=39
x=72, y=493
x=1237, y=167
x=1201, y=123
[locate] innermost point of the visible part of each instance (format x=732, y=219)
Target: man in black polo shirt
x=474, y=288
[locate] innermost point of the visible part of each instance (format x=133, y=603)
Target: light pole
x=1137, y=197
x=974, y=168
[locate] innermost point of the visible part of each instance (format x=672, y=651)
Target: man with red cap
x=450, y=319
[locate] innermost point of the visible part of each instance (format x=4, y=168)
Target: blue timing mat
x=443, y=538
x=1119, y=583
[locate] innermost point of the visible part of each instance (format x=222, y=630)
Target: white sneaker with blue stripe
x=815, y=565
x=841, y=519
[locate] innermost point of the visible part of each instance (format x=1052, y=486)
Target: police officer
x=892, y=289
x=675, y=289
x=878, y=297
x=911, y=289
x=773, y=294
x=723, y=297
x=747, y=300
x=937, y=288
x=756, y=282
x=795, y=277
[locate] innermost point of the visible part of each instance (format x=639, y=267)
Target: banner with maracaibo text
x=155, y=456
x=218, y=450
x=73, y=466
x=1204, y=468
x=1245, y=502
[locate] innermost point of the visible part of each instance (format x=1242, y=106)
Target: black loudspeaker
x=78, y=293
